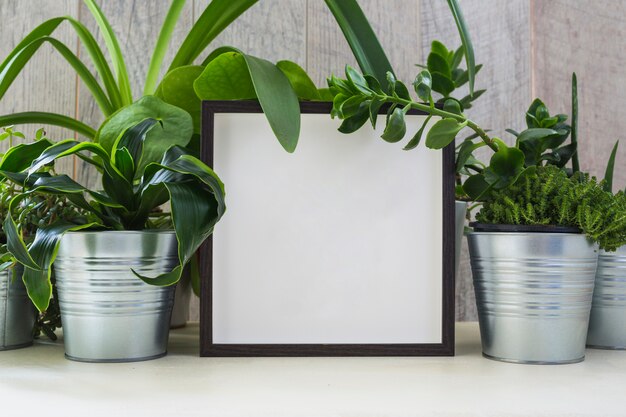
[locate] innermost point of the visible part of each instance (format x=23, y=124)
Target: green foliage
x=127, y=200
x=443, y=67
x=547, y=196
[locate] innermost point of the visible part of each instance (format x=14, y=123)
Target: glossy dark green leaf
x=20, y=157
x=452, y=105
x=512, y=132
x=457, y=58
x=396, y=126
x=373, y=84
x=476, y=187
x=437, y=63
x=402, y=91
x=356, y=121
x=423, y=84
x=439, y=48
x=442, y=84
x=531, y=120
x=443, y=132
x=374, y=108
x=465, y=152
x=504, y=167
x=416, y=139
x=351, y=106
x=391, y=82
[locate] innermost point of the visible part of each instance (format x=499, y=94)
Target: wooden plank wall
x=586, y=36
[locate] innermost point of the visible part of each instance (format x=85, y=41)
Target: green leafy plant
x=126, y=201
x=547, y=196
x=234, y=76
x=443, y=66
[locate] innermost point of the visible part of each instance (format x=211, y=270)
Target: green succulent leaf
x=396, y=126
x=442, y=84
x=439, y=64
x=416, y=139
x=443, y=132
x=610, y=168
x=505, y=166
x=423, y=84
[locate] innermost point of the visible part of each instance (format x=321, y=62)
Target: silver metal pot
x=607, y=325
x=460, y=209
x=108, y=314
x=533, y=294
x=182, y=297
x=17, y=313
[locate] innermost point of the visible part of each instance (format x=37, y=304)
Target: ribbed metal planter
x=607, y=326
x=17, y=313
x=460, y=209
x=108, y=314
x=533, y=293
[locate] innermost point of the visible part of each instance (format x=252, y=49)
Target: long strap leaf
x=215, y=18
x=161, y=46
x=610, y=169
x=12, y=69
x=115, y=51
x=94, y=51
x=365, y=46
x=466, y=42
x=37, y=117
x=574, y=134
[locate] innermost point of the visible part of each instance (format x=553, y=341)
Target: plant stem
x=443, y=114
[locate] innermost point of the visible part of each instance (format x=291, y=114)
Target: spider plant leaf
x=468, y=49
x=365, y=46
x=115, y=52
x=161, y=46
x=213, y=20
x=36, y=117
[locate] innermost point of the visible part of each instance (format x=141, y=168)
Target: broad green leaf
x=531, y=120
x=457, y=57
x=423, y=84
x=416, y=139
x=535, y=133
x=300, y=81
x=396, y=127
x=325, y=94
x=610, y=168
x=468, y=49
x=373, y=84
x=34, y=117
x=132, y=139
x=177, y=89
x=276, y=96
x=362, y=40
x=226, y=77
x=401, y=90
x=177, y=128
x=442, y=133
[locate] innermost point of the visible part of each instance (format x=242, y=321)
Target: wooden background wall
x=529, y=48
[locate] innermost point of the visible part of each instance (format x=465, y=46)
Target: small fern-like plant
x=546, y=196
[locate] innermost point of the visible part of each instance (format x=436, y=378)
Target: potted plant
x=114, y=272
x=607, y=328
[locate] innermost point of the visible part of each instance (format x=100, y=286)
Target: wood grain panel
x=47, y=83
x=588, y=37
x=396, y=23
x=500, y=33
x=136, y=24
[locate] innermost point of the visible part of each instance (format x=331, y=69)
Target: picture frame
x=240, y=311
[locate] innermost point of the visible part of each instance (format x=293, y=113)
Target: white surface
x=39, y=381
x=326, y=245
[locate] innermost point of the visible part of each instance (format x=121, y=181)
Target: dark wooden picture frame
x=209, y=348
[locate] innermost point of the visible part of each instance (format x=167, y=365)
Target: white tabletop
x=39, y=380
